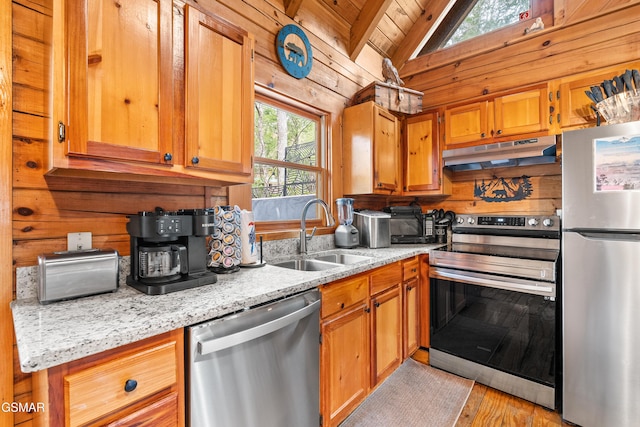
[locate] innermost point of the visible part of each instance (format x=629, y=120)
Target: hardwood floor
x=487, y=407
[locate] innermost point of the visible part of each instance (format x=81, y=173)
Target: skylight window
x=468, y=19
x=487, y=16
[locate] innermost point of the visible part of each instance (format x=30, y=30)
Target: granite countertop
x=53, y=334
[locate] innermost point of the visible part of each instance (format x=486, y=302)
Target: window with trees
x=290, y=159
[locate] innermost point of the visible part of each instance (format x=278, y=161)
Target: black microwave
x=409, y=225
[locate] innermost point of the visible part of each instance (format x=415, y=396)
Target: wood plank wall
x=6, y=269
x=45, y=209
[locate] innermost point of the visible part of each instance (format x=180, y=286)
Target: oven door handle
x=480, y=279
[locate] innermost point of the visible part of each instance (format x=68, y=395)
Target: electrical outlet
x=78, y=241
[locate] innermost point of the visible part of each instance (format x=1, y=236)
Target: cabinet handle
x=342, y=305
x=377, y=304
x=167, y=157
x=130, y=385
x=414, y=270
x=195, y=160
x=367, y=310
x=409, y=288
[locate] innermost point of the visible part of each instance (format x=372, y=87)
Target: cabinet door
x=422, y=156
x=466, y=123
x=386, y=346
x=575, y=106
x=522, y=112
x=219, y=95
x=411, y=316
x=386, y=151
x=425, y=302
x=119, y=83
x=345, y=363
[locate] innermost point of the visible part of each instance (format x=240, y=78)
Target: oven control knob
x=547, y=222
x=533, y=222
x=460, y=220
x=470, y=220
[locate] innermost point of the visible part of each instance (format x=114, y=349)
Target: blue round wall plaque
x=294, y=51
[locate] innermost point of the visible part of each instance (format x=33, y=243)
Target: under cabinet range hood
x=523, y=152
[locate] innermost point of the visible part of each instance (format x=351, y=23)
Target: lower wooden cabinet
x=411, y=291
x=425, y=301
x=386, y=321
x=363, y=324
x=139, y=384
x=344, y=367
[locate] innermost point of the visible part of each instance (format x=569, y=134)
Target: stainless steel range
x=493, y=304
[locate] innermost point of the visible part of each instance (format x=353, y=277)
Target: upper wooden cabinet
x=219, y=94
x=422, y=159
x=575, y=110
x=371, y=150
x=118, y=82
x=118, y=91
x=520, y=113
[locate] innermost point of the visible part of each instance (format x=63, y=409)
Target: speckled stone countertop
x=53, y=334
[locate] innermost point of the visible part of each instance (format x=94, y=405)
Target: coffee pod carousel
x=225, y=245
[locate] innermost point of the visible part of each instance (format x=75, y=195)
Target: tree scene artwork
x=617, y=163
x=503, y=189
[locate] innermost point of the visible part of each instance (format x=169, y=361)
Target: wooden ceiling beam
x=370, y=15
x=291, y=7
x=413, y=41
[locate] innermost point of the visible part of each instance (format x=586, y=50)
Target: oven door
x=509, y=328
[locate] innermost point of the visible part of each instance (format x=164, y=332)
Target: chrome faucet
x=303, y=223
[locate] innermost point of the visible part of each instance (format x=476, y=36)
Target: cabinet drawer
x=99, y=390
x=161, y=413
x=410, y=269
x=341, y=295
x=385, y=277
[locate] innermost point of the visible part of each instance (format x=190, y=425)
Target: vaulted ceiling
x=394, y=28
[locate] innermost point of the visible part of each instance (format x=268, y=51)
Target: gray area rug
x=414, y=395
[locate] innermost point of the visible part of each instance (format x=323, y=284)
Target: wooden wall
x=45, y=209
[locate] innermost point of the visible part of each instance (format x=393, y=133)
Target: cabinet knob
x=499, y=132
x=130, y=385
x=195, y=160
x=167, y=157
x=377, y=304
x=409, y=288
x=367, y=310
x=342, y=305
x=482, y=135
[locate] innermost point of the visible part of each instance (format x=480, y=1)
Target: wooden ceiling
x=393, y=28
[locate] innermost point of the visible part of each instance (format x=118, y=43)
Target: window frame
x=285, y=228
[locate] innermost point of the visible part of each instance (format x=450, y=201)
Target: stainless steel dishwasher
x=259, y=367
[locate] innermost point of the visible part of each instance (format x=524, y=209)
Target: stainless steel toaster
x=74, y=274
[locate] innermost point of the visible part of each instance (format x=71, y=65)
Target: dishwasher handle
x=217, y=344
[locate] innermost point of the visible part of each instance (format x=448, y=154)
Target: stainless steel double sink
x=322, y=261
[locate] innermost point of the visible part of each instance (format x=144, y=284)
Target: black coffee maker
x=169, y=250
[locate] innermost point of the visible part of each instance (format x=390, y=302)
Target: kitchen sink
x=342, y=258
x=307, y=264
x=321, y=261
